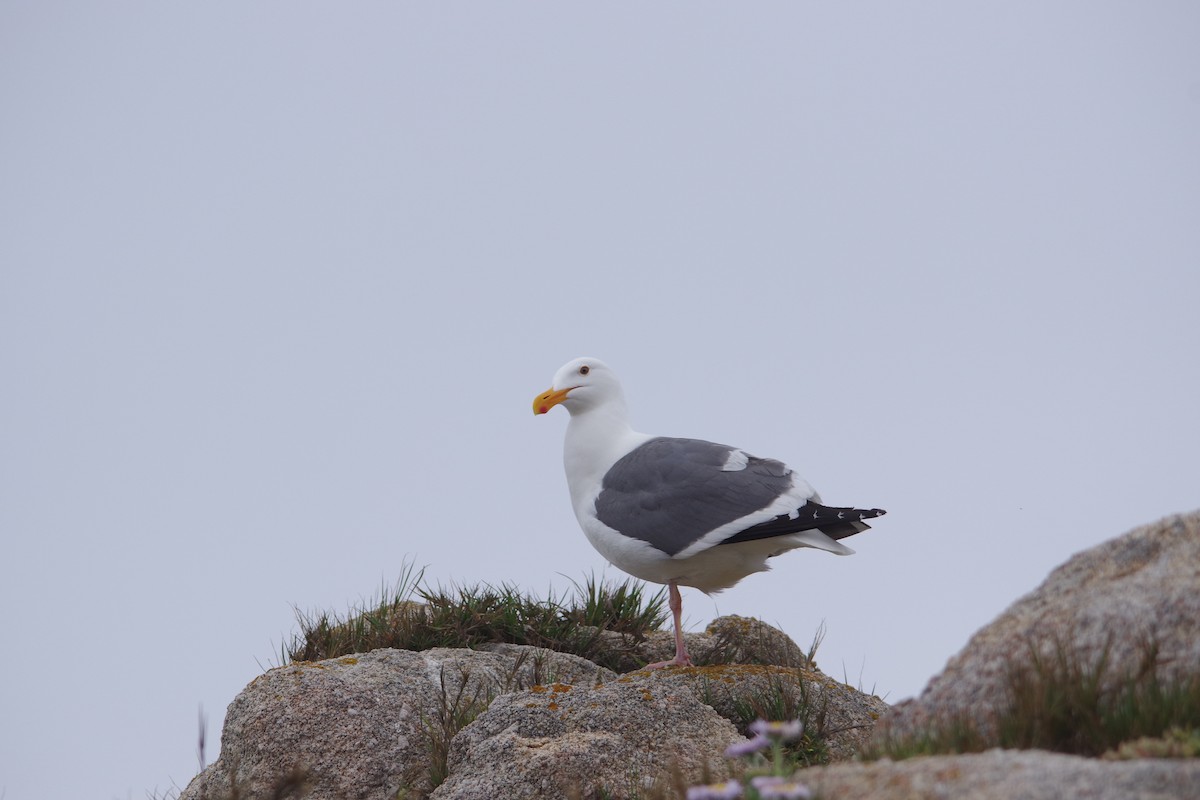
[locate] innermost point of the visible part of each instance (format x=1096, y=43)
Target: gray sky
x=278, y=282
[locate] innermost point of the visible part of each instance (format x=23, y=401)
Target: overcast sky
x=279, y=281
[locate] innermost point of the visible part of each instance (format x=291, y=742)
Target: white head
x=581, y=385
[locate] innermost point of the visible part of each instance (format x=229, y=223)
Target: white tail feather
x=820, y=541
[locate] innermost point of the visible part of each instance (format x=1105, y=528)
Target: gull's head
x=579, y=385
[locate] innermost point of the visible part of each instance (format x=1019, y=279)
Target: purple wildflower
x=777, y=731
x=770, y=787
x=729, y=790
x=747, y=746
x=763, y=781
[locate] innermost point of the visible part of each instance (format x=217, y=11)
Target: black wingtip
x=834, y=522
x=817, y=511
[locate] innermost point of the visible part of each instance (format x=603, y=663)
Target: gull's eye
x=585, y=369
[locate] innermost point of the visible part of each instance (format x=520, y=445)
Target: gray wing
x=671, y=492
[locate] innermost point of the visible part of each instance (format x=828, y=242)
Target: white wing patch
x=736, y=462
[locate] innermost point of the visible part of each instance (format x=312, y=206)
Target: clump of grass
x=624, y=607
x=1060, y=703
x=413, y=616
x=1065, y=704
x=1174, y=743
x=787, y=696
x=952, y=735
x=376, y=624
x=456, y=710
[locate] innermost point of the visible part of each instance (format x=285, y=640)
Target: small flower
x=729, y=790
x=764, y=781
x=777, y=731
x=747, y=746
x=770, y=787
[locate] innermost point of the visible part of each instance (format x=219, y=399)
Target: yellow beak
x=549, y=399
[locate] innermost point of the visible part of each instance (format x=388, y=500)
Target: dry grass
x=1063, y=704
x=413, y=616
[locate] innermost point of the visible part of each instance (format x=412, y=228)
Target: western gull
x=682, y=512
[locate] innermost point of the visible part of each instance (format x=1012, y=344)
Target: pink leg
x=681, y=659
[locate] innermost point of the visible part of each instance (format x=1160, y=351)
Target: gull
x=681, y=512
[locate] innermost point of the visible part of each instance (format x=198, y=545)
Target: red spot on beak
x=549, y=399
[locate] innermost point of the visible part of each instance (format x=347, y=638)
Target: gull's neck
x=596, y=437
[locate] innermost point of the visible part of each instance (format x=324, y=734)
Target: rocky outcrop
x=727, y=640
x=642, y=729
x=513, y=721
x=1007, y=774
x=840, y=715
x=730, y=640
x=1111, y=601
x=616, y=740
x=520, y=722
x=363, y=726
